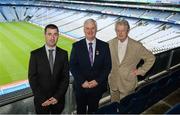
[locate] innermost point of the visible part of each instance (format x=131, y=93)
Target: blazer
x=81, y=68
x=44, y=84
x=121, y=77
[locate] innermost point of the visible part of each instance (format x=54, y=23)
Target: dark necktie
x=51, y=59
x=91, y=53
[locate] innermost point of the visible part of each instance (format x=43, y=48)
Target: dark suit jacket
x=81, y=68
x=44, y=84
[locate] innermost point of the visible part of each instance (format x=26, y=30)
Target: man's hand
x=85, y=84
x=50, y=101
x=53, y=100
x=90, y=84
x=93, y=84
x=46, y=103
x=135, y=72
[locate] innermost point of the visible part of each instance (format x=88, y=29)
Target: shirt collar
x=48, y=48
x=94, y=41
x=123, y=43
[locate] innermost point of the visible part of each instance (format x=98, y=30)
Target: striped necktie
x=91, y=53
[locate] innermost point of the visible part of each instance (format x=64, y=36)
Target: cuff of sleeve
x=141, y=72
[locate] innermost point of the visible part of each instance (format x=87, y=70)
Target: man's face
x=90, y=30
x=122, y=32
x=51, y=37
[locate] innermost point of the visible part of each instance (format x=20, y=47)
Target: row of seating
x=70, y=22
x=145, y=96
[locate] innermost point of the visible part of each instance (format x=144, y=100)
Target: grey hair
x=90, y=20
x=122, y=22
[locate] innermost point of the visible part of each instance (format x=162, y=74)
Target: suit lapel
x=56, y=60
x=97, y=52
x=85, y=52
x=45, y=58
x=115, y=45
x=128, y=51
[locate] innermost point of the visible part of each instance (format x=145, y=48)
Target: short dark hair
x=51, y=26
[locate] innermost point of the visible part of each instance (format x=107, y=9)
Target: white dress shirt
x=47, y=52
x=93, y=46
x=122, y=47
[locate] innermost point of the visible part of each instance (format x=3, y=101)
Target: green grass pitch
x=17, y=39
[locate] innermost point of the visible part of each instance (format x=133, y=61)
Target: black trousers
x=87, y=101
x=51, y=109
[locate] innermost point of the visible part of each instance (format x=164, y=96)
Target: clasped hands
x=50, y=101
x=90, y=84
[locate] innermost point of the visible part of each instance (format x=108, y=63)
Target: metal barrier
x=70, y=102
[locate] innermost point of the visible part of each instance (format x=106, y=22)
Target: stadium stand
x=175, y=17
x=78, y=32
x=69, y=22
x=112, y=10
x=158, y=30
x=2, y=18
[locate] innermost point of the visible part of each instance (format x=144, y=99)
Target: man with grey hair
x=90, y=65
x=126, y=54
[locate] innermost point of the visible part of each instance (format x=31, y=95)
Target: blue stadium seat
x=138, y=102
x=162, y=87
x=125, y=103
x=176, y=80
x=174, y=110
x=115, y=108
x=152, y=96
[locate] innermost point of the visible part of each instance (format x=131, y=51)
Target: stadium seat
x=152, y=96
x=125, y=103
x=174, y=110
x=138, y=102
x=162, y=85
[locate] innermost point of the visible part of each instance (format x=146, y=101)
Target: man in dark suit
x=90, y=65
x=49, y=74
